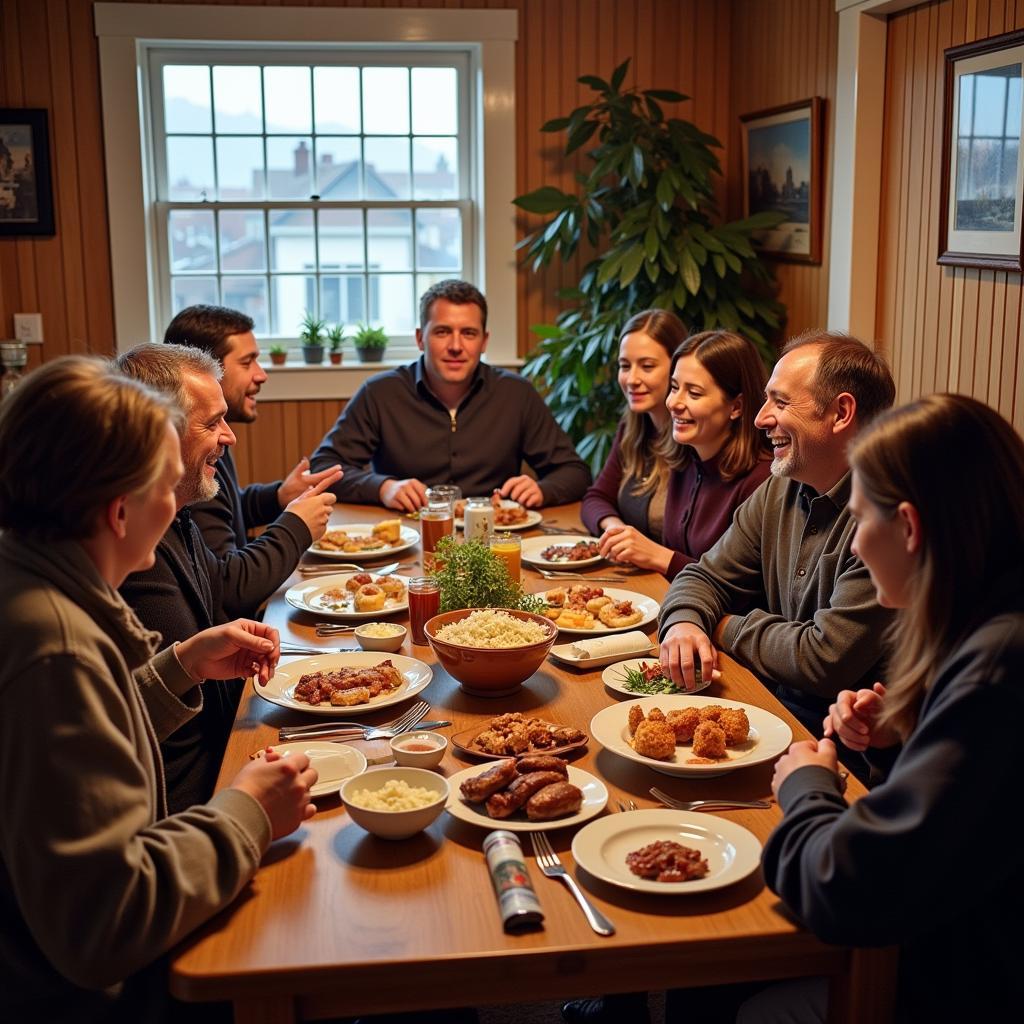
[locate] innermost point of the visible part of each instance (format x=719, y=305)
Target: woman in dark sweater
x=704, y=461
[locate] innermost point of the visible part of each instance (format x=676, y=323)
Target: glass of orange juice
x=509, y=548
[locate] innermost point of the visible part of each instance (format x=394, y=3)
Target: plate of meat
x=666, y=852
x=363, y=542
x=567, y=552
x=508, y=514
x=590, y=610
x=353, y=683
x=528, y=794
x=513, y=734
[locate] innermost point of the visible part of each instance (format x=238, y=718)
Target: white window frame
x=126, y=34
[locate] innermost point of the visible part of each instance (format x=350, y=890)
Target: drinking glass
x=509, y=548
x=478, y=519
x=424, y=604
x=437, y=520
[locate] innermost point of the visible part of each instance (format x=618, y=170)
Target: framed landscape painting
x=26, y=198
x=982, y=173
x=782, y=172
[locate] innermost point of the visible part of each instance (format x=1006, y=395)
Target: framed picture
x=982, y=183
x=26, y=196
x=782, y=171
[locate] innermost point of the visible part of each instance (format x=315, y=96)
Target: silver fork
x=627, y=805
x=549, y=863
x=355, y=730
x=550, y=574
x=704, y=805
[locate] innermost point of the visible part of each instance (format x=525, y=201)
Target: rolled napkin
x=613, y=645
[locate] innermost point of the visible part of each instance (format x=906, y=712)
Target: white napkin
x=633, y=642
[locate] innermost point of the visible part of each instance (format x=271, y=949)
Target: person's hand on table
x=853, y=718
x=240, y=648
x=313, y=506
x=280, y=785
x=300, y=480
x=523, y=489
x=681, y=646
x=801, y=754
x=404, y=495
x=626, y=544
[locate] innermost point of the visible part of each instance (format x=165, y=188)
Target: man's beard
x=195, y=487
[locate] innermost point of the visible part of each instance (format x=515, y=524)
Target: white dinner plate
x=595, y=796
x=769, y=736
x=308, y=596
x=533, y=546
x=533, y=517
x=335, y=762
x=280, y=689
x=647, y=605
x=732, y=852
x=409, y=539
x=614, y=677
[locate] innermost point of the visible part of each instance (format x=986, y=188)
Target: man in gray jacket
x=781, y=591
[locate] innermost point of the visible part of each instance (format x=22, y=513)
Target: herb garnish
x=649, y=679
x=471, y=576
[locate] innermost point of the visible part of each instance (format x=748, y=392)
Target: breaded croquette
x=683, y=723
x=735, y=724
x=636, y=716
x=655, y=739
x=656, y=715
x=709, y=740
x=711, y=713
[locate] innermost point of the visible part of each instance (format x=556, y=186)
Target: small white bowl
x=419, y=758
x=395, y=824
x=392, y=644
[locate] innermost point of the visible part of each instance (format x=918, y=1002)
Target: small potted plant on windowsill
x=370, y=343
x=312, y=337
x=335, y=338
x=278, y=355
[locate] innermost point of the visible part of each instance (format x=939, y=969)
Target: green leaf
x=556, y=124
x=546, y=330
x=654, y=110
x=719, y=264
x=610, y=266
x=664, y=193
x=581, y=135
x=653, y=271
x=651, y=242
x=631, y=265
x=689, y=272
x=668, y=95
x=619, y=74
x=546, y=199
x=595, y=83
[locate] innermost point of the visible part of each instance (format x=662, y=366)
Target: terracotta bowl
x=490, y=671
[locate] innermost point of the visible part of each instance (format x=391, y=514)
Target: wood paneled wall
x=942, y=328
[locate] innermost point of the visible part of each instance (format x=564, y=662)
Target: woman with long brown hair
x=924, y=860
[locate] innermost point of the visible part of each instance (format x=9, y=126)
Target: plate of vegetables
x=642, y=677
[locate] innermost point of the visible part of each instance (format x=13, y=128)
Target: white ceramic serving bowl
x=395, y=824
x=419, y=758
x=392, y=644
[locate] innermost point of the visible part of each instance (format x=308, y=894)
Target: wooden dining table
x=338, y=923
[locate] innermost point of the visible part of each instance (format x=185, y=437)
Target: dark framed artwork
x=982, y=172
x=26, y=194
x=782, y=171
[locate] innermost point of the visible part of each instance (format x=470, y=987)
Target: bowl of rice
x=395, y=802
x=490, y=651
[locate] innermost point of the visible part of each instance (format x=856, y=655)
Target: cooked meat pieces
x=655, y=739
x=541, y=763
x=636, y=716
x=558, y=800
x=350, y=698
x=667, y=861
x=735, y=724
x=513, y=733
x=711, y=713
x=317, y=687
x=506, y=803
x=683, y=723
x=480, y=787
x=709, y=740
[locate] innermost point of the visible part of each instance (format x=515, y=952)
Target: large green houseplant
x=646, y=208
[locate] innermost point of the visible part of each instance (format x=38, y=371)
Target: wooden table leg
x=265, y=1010
x=867, y=991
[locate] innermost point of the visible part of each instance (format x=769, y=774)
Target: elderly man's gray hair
x=163, y=367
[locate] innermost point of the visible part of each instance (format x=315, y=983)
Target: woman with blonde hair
x=924, y=860
x=96, y=881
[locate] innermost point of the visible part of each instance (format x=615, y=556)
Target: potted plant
x=278, y=355
x=370, y=343
x=312, y=337
x=335, y=339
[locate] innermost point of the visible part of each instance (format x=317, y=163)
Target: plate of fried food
x=592, y=610
x=526, y=794
x=641, y=677
x=358, y=542
x=691, y=735
x=508, y=514
x=666, y=852
x=350, y=595
x=568, y=552
x=513, y=734
x=352, y=683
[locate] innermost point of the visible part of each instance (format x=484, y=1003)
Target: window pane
x=289, y=102
x=291, y=240
x=434, y=102
x=341, y=299
x=389, y=239
x=191, y=291
x=189, y=168
x=435, y=168
x=242, y=246
x=248, y=295
x=191, y=237
x=341, y=239
x=387, y=168
x=293, y=296
x=336, y=92
x=391, y=302
x=289, y=168
x=186, y=98
x=1013, y=109
x=240, y=168
x=386, y=101
x=438, y=240
x=237, y=99
x=338, y=168
x=990, y=100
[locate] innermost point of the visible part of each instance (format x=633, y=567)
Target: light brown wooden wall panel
x=783, y=51
x=942, y=328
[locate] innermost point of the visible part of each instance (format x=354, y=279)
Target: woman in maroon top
x=717, y=459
